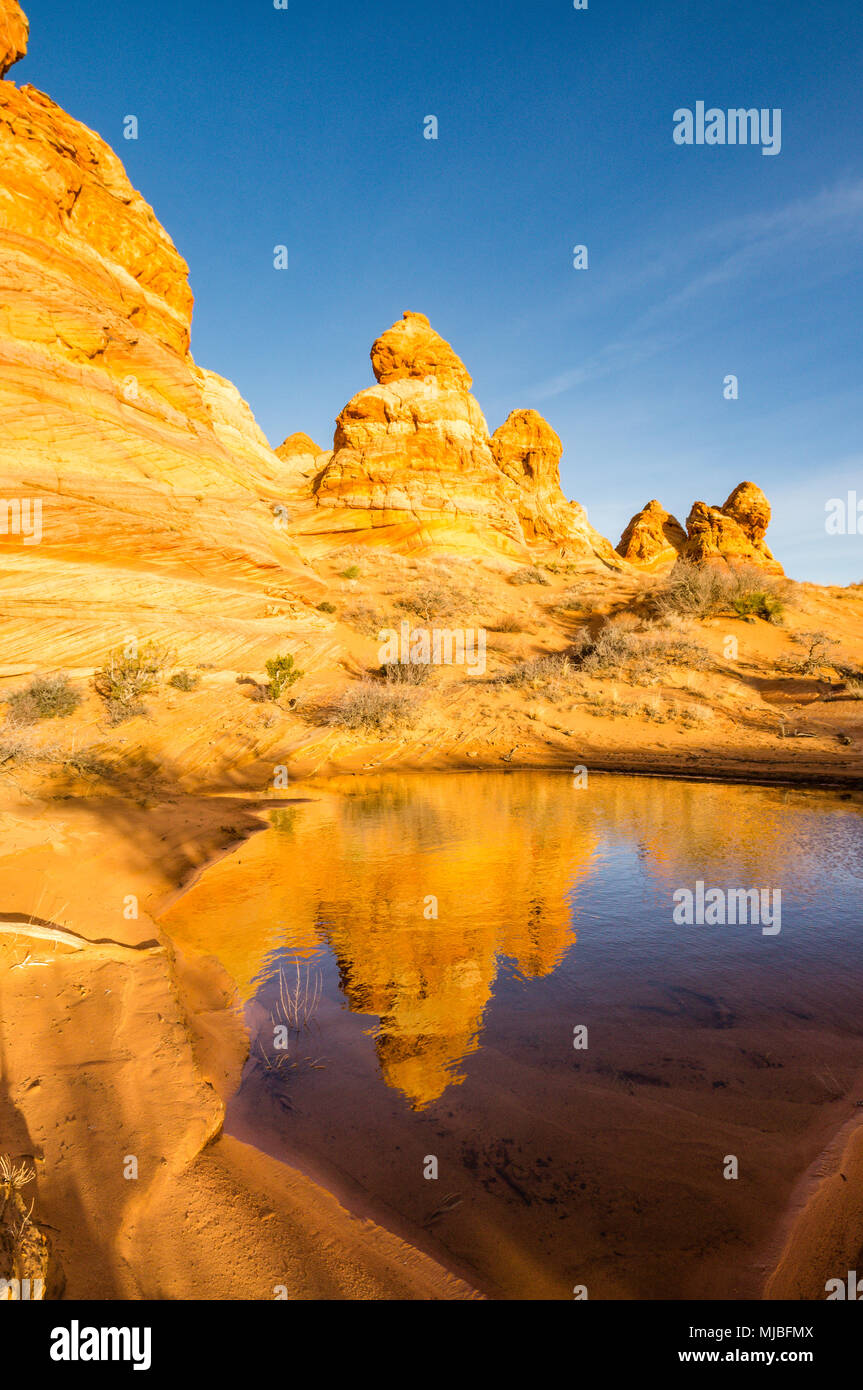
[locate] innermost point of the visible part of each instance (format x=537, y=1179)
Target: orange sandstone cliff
x=131, y=448
x=653, y=537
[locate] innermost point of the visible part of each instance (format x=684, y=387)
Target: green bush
x=124, y=679
x=326, y=607
x=282, y=674
x=352, y=572
x=758, y=603
x=46, y=697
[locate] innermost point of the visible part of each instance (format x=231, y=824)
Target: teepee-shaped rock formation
x=527, y=451
x=653, y=537
x=413, y=463
x=733, y=532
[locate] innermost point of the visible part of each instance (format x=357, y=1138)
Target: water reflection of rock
x=502, y=856
x=496, y=859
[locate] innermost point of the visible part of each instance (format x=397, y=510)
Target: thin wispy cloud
x=762, y=242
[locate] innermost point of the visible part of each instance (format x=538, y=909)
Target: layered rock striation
x=414, y=465
x=653, y=537
x=132, y=451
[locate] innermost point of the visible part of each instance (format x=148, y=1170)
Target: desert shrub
x=570, y=601
x=367, y=620
x=435, y=598
x=124, y=679
x=85, y=762
x=405, y=672
x=691, y=590
x=529, y=574
x=553, y=676
x=691, y=715
x=374, y=708
x=16, y=745
x=282, y=674
x=654, y=710
x=118, y=711
x=326, y=607
x=758, y=603
x=352, y=572
x=699, y=591
x=815, y=654
x=852, y=679
x=618, y=647
x=608, y=704
x=46, y=697
x=508, y=622
x=185, y=680
x=20, y=749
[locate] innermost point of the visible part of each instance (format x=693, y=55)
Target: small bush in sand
x=815, y=654
x=326, y=607
x=539, y=669
x=436, y=598
x=529, y=574
x=691, y=715
x=569, y=602
x=374, y=708
x=552, y=676
x=281, y=675
x=124, y=679
x=46, y=697
x=617, y=647
x=406, y=672
x=368, y=620
x=352, y=572
x=758, y=603
x=852, y=682
x=16, y=745
x=20, y=749
x=184, y=680
x=508, y=622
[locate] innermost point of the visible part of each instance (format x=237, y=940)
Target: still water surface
x=460, y=929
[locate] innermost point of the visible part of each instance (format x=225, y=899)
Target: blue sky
x=304, y=127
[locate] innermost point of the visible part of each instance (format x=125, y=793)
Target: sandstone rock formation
x=733, y=533
x=414, y=465
x=13, y=34
x=527, y=451
x=653, y=537
x=412, y=349
x=298, y=446
x=140, y=461
x=144, y=463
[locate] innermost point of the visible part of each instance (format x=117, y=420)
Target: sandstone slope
x=140, y=462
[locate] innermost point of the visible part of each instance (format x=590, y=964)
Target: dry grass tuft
x=372, y=707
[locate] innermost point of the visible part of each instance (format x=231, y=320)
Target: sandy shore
x=110, y=1055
